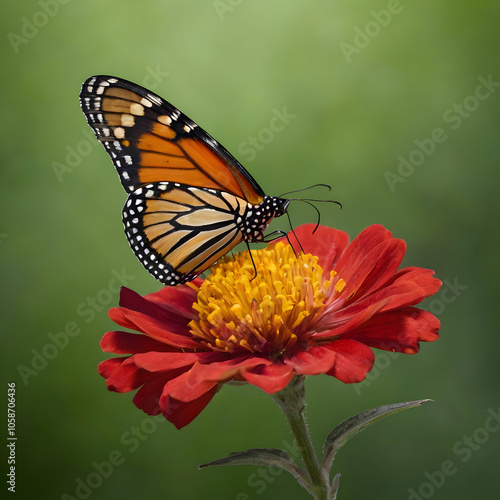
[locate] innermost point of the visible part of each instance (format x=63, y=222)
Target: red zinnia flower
x=305, y=314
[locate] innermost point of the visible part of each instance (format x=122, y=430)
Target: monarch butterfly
x=190, y=201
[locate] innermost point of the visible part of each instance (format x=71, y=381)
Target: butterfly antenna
x=306, y=188
x=318, y=201
x=317, y=211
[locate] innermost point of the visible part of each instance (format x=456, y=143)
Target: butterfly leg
x=278, y=234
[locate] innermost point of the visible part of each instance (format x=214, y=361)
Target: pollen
x=268, y=312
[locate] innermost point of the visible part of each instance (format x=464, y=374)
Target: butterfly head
x=258, y=217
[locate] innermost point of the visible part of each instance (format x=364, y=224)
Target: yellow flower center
x=267, y=313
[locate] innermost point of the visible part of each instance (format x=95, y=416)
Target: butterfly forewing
x=149, y=140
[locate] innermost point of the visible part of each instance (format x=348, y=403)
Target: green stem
x=291, y=402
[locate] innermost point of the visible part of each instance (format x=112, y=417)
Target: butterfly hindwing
x=149, y=140
x=178, y=231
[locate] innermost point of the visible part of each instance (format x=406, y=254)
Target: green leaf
x=350, y=427
x=270, y=457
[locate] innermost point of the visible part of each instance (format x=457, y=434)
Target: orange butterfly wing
x=149, y=140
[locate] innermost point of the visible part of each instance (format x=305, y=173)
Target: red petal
x=420, y=283
x=338, y=322
x=200, y=378
x=147, y=398
x=406, y=288
x=180, y=389
x=326, y=243
x=316, y=360
x=123, y=376
x=107, y=367
x=130, y=343
x=399, y=331
x=116, y=315
x=176, y=311
x=176, y=300
x=353, y=361
x=270, y=378
x=180, y=413
x=366, y=241
x=154, y=328
x=163, y=361
x=369, y=270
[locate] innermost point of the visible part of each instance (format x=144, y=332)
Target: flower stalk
x=291, y=402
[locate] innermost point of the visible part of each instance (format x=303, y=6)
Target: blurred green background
x=394, y=103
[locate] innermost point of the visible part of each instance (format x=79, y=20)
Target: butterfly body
x=190, y=201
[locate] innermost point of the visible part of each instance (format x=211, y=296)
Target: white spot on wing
x=165, y=119
x=127, y=120
x=155, y=99
x=119, y=132
x=137, y=109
